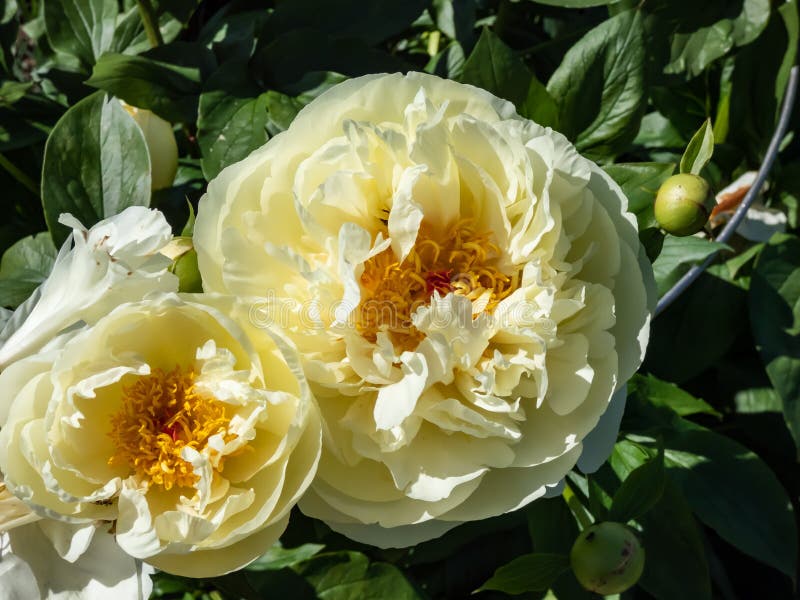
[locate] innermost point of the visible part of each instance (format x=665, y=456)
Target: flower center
x=461, y=260
x=161, y=414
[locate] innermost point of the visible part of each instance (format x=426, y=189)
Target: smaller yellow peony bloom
x=161, y=145
x=162, y=418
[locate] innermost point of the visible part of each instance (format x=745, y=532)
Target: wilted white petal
x=97, y=269
x=31, y=567
x=761, y=223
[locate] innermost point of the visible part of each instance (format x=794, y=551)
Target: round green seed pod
x=607, y=558
x=185, y=267
x=683, y=204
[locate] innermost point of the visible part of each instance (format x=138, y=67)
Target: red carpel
x=439, y=281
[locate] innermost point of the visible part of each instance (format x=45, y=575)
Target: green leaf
x=25, y=265
x=758, y=400
x=166, y=80
x=722, y=121
x=493, y=66
x=693, y=52
x=640, y=490
x=257, y=585
x=732, y=491
x=8, y=10
x=278, y=557
x=699, y=150
x=774, y=303
x=682, y=344
x=759, y=81
x=188, y=228
x=371, y=22
x=551, y=525
x=539, y=105
x=448, y=62
x=528, y=573
x=737, y=263
x=575, y=3
x=231, y=34
x=684, y=106
x=677, y=255
x=286, y=59
x=234, y=118
x=657, y=131
x=670, y=536
x=350, y=576
x=650, y=235
x=181, y=10
x=130, y=36
x=13, y=91
x=599, y=86
x=95, y=165
x=676, y=565
x=82, y=28
x=791, y=21
x=640, y=181
x=456, y=19
x=164, y=585
x=599, y=500
x=728, y=486
x=662, y=393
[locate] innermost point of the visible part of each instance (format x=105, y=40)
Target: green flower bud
x=185, y=267
x=607, y=558
x=160, y=144
x=683, y=204
x=184, y=264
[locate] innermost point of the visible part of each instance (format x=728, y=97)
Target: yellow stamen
x=160, y=415
x=459, y=260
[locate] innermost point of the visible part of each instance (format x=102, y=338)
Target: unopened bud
x=683, y=204
x=185, y=267
x=160, y=144
x=607, y=558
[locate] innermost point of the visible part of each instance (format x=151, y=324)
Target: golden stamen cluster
x=460, y=259
x=161, y=414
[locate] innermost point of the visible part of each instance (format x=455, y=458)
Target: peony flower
x=161, y=145
x=161, y=419
x=467, y=292
x=97, y=269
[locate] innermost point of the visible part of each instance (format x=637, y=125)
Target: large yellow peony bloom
x=163, y=419
x=467, y=293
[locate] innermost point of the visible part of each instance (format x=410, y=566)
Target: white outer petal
x=597, y=446
x=102, y=571
x=393, y=537
x=113, y=262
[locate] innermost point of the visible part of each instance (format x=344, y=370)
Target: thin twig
x=17, y=174
x=150, y=22
x=572, y=496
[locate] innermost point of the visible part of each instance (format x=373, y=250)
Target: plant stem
x=150, y=22
x=433, y=43
x=576, y=506
x=17, y=174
